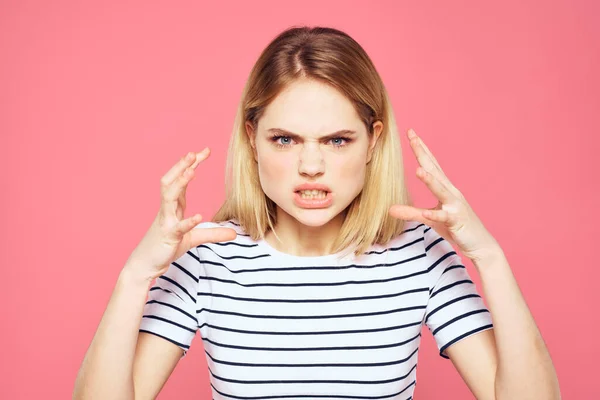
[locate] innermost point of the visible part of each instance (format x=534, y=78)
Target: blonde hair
x=333, y=57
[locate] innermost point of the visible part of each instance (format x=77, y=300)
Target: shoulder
x=412, y=235
x=433, y=244
x=422, y=243
x=408, y=244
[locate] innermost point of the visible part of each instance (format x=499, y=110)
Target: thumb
x=199, y=236
x=407, y=213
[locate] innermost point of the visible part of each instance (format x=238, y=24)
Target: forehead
x=309, y=107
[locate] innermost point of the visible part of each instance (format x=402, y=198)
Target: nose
x=311, y=161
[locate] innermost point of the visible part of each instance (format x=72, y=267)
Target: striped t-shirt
x=279, y=326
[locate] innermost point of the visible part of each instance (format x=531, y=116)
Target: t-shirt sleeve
x=455, y=310
x=171, y=309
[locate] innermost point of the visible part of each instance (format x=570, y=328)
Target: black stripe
x=312, y=396
x=434, y=243
x=380, y=364
x=164, y=290
x=178, y=285
x=421, y=239
x=382, y=296
x=195, y=257
x=173, y=307
x=168, y=291
x=388, y=328
x=309, y=317
x=297, y=284
x=389, y=249
x=382, y=346
x=404, y=231
x=443, y=348
x=209, y=278
x=441, y=259
x=296, y=381
x=230, y=244
x=451, y=286
x=236, y=257
x=168, y=321
x=185, y=271
x=164, y=337
x=450, y=268
x=448, y=303
x=320, y=268
x=453, y=320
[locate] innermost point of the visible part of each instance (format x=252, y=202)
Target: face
x=298, y=141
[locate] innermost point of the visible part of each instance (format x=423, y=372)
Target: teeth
x=313, y=194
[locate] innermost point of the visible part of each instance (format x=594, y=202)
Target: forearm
x=525, y=369
x=107, y=368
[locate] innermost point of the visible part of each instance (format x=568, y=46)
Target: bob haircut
x=331, y=56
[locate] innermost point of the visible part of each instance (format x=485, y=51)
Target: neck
x=301, y=240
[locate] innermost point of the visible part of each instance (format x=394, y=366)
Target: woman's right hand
x=170, y=235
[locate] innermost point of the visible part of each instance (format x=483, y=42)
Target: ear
x=252, y=138
x=377, y=130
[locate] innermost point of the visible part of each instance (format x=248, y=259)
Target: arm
x=510, y=361
x=514, y=357
x=116, y=363
x=133, y=333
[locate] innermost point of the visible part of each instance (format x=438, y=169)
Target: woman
x=316, y=275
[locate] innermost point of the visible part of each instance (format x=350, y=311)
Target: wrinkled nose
x=311, y=161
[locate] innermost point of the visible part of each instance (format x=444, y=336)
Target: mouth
x=312, y=194
x=313, y=199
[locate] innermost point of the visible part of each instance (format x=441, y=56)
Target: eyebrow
x=280, y=131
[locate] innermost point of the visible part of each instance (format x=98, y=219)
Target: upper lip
x=312, y=186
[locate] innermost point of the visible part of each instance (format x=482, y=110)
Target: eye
x=340, y=143
x=286, y=141
x=275, y=139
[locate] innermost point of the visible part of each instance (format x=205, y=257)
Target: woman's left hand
x=452, y=218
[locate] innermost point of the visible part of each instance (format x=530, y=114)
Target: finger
x=422, y=158
x=190, y=159
x=199, y=158
x=181, y=198
x=408, y=213
x=177, y=188
x=437, y=215
x=429, y=162
x=418, y=140
x=211, y=235
x=184, y=226
x=440, y=191
x=180, y=207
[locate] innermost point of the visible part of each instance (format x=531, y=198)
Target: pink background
x=99, y=100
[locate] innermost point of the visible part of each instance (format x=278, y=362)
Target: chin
x=313, y=222
x=314, y=217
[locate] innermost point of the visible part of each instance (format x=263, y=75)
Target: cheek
x=351, y=168
x=350, y=176
x=274, y=169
